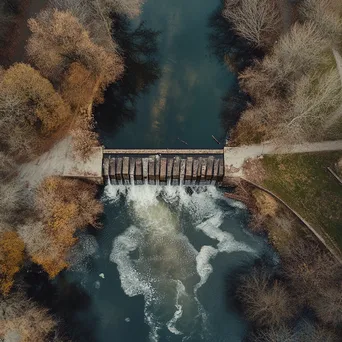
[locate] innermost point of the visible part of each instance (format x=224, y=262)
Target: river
x=162, y=267
x=175, y=84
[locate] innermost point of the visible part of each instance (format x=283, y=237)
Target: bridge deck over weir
x=156, y=169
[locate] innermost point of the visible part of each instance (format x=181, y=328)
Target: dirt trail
x=60, y=161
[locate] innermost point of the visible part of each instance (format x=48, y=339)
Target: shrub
x=266, y=302
x=22, y=320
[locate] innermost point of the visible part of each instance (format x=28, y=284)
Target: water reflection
x=139, y=48
x=237, y=54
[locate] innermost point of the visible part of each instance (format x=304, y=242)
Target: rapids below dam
x=159, y=269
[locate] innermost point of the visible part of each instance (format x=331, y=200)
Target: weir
x=163, y=169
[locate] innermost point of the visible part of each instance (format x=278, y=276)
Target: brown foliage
x=64, y=205
x=266, y=204
x=265, y=301
x=43, y=248
x=58, y=40
x=11, y=258
x=258, y=21
x=29, y=110
x=84, y=137
x=78, y=86
x=22, y=320
x=30, y=99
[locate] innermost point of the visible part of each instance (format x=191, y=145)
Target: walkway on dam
x=235, y=157
x=60, y=161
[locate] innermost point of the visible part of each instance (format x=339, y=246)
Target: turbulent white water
x=156, y=259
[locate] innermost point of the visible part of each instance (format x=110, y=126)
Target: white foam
x=132, y=282
x=226, y=241
x=165, y=253
x=203, y=266
x=171, y=324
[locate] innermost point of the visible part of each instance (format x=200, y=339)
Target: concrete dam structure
x=159, y=169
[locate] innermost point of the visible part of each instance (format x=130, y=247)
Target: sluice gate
x=158, y=169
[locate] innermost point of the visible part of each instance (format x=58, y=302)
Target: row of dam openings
x=159, y=170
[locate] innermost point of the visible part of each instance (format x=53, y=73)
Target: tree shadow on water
x=66, y=300
x=139, y=49
x=237, y=54
x=227, y=46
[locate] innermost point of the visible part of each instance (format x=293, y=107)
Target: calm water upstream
x=184, y=81
x=160, y=268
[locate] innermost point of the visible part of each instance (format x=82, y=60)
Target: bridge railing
x=163, y=151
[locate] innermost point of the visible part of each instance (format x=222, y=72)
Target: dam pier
x=163, y=168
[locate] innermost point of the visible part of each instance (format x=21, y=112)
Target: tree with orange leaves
x=11, y=258
x=64, y=206
x=58, y=40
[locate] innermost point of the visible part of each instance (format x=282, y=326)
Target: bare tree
x=327, y=15
x=258, y=21
x=265, y=302
x=328, y=305
x=7, y=167
x=11, y=196
x=309, y=332
x=300, y=50
x=22, y=320
x=42, y=248
x=280, y=333
x=131, y=8
x=309, y=269
x=314, y=100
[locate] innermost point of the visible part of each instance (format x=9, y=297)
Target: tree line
x=296, y=297
x=73, y=58
x=296, y=88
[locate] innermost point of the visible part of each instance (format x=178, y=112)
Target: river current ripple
x=156, y=259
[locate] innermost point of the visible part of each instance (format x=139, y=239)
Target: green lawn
x=303, y=182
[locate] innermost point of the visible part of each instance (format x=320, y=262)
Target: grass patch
x=303, y=182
